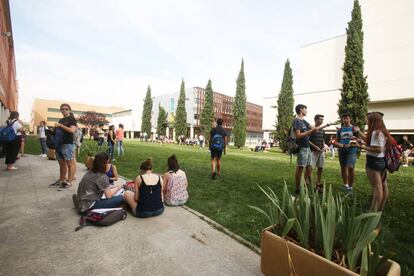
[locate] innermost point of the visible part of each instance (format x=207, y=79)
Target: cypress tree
x=239, y=110
x=146, y=113
x=354, y=93
x=207, y=114
x=162, y=121
x=285, y=107
x=181, y=114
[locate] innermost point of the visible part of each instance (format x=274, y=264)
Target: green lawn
x=226, y=199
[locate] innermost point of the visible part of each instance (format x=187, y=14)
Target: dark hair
x=13, y=115
x=67, y=105
x=146, y=165
x=121, y=125
x=99, y=163
x=380, y=113
x=173, y=163
x=111, y=127
x=318, y=116
x=345, y=115
x=299, y=107
x=101, y=125
x=219, y=121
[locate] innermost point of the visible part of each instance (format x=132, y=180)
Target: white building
x=131, y=119
x=389, y=60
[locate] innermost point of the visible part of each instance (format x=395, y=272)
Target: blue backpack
x=7, y=133
x=217, y=143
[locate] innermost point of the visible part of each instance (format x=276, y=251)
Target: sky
x=106, y=52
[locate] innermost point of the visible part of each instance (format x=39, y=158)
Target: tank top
x=176, y=189
x=110, y=174
x=149, y=198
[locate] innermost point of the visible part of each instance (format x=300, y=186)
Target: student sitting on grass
x=147, y=200
x=175, y=184
x=94, y=184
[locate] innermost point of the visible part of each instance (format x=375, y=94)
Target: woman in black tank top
x=147, y=200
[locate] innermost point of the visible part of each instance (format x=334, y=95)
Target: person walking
x=317, y=147
x=65, y=148
x=377, y=140
x=332, y=146
x=347, y=152
x=111, y=141
x=217, y=145
x=41, y=133
x=303, y=130
x=12, y=147
x=120, y=139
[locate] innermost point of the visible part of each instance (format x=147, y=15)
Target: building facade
x=222, y=106
x=131, y=120
x=388, y=55
x=49, y=111
x=8, y=82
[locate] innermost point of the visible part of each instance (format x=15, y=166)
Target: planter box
x=89, y=162
x=51, y=154
x=275, y=260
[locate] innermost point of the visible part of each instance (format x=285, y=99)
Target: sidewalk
x=37, y=235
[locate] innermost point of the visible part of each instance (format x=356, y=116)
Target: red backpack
x=392, y=156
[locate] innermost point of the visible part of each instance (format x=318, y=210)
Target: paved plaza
x=37, y=235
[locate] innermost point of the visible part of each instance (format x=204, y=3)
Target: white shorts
x=318, y=159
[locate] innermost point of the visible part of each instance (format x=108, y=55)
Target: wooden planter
x=281, y=257
x=89, y=162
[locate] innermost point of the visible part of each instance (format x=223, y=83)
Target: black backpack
x=101, y=217
x=291, y=142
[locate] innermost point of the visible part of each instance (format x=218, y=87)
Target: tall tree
x=285, y=107
x=146, y=113
x=181, y=114
x=207, y=114
x=239, y=110
x=354, y=94
x=162, y=121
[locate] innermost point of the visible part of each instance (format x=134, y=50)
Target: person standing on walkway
x=41, y=133
x=317, y=147
x=347, y=152
x=111, y=141
x=65, y=148
x=147, y=201
x=303, y=130
x=217, y=145
x=377, y=140
x=12, y=147
x=120, y=139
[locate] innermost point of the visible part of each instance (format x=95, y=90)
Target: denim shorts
x=112, y=202
x=375, y=163
x=65, y=152
x=347, y=159
x=147, y=214
x=304, y=157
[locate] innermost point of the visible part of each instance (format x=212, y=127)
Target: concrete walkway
x=37, y=235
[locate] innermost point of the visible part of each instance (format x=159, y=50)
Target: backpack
x=50, y=139
x=58, y=139
x=291, y=142
x=217, y=142
x=101, y=217
x=392, y=157
x=7, y=133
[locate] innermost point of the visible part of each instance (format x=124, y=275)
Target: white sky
x=107, y=52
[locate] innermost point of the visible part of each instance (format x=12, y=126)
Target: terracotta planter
x=89, y=162
x=51, y=154
x=275, y=260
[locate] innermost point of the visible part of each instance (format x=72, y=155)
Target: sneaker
x=56, y=184
x=348, y=189
x=44, y=155
x=12, y=168
x=65, y=186
x=213, y=175
x=405, y=165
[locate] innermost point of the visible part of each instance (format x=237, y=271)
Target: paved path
x=37, y=235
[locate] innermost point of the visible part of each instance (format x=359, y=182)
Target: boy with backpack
x=217, y=143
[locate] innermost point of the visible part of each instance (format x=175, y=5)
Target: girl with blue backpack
x=11, y=139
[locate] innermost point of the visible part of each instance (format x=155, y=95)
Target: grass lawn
x=226, y=199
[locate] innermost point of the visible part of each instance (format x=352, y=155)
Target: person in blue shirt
x=347, y=152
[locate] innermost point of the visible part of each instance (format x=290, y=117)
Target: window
x=51, y=119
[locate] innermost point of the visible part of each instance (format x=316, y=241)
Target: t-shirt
x=345, y=135
x=42, y=133
x=218, y=130
x=91, y=188
x=67, y=137
x=177, y=187
x=377, y=139
x=302, y=126
x=119, y=134
x=318, y=139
